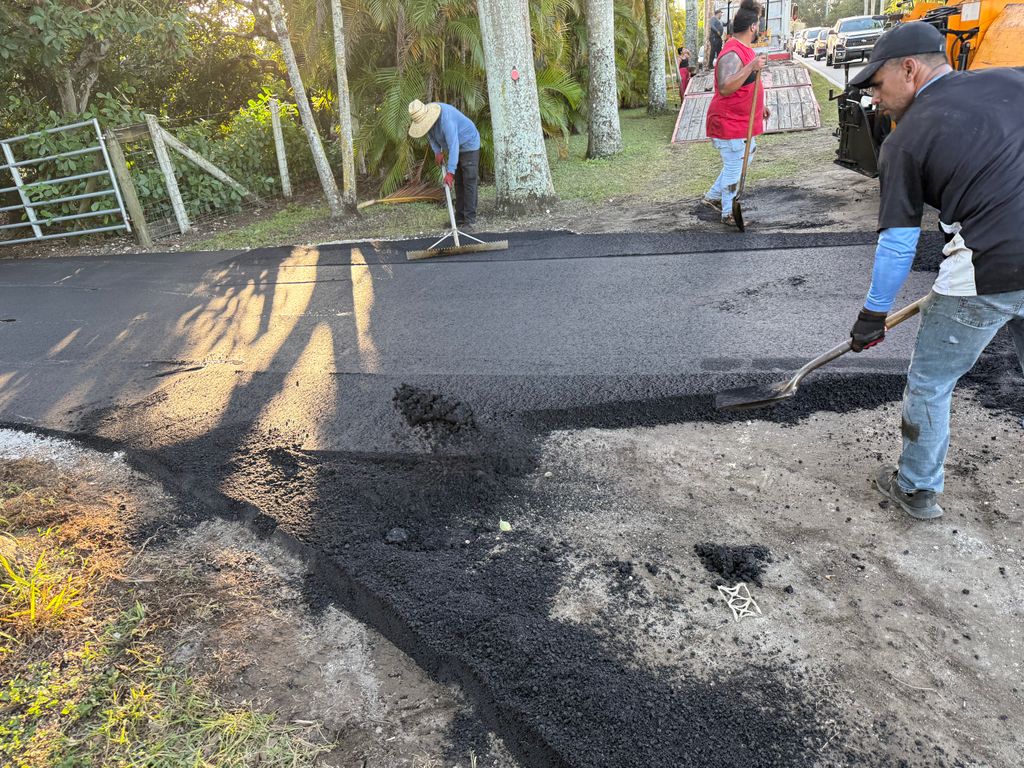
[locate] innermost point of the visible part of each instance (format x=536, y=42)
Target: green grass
x=116, y=702
x=829, y=113
x=286, y=223
x=85, y=680
x=648, y=169
x=43, y=591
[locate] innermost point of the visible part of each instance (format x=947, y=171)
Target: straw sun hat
x=423, y=116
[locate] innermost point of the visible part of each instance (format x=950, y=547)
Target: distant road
x=834, y=76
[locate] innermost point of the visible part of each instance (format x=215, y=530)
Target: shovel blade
x=756, y=396
x=737, y=214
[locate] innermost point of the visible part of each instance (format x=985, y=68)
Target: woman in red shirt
x=729, y=113
x=683, y=62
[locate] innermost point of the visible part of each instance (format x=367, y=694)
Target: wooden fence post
x=194, y=157
x=282, y=158
x=131, y=197
x=180, y=214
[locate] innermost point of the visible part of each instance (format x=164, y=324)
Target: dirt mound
x=735, y=563
x=431, y=414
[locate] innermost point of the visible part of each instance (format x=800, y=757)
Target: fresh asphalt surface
x=260, y=384
x=95, y=329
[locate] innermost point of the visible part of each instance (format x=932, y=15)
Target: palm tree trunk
x=348, y=167
x=522, y=174
x=692, y=16
x=604, y=135
x=657, y=99
x=316, y=146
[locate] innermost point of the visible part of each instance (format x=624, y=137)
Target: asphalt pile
x=434, y=416
x=410, y=543
x=734, y=563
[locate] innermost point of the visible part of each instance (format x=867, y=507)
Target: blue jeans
x=728, y=180
x=954, y=331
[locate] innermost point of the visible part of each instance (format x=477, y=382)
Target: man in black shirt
x=715, y=34
x=959, y=147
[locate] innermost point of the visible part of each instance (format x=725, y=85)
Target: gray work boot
x=921, y=505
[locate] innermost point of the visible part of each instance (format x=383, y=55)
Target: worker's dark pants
x=467, y=179
x=716, y=48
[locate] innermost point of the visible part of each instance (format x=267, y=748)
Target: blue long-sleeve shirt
x=453, y=132
x=894, y=255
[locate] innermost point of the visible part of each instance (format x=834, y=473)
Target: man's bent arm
x=451, y=136
x=894, y=255
x=731, y=74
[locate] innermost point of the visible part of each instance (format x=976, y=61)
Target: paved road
x=94, y=332
x=832, y=74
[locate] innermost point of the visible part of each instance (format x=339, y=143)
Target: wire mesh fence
x=241, y=146
x=142, y=164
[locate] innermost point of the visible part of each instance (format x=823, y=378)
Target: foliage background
x=208, y=67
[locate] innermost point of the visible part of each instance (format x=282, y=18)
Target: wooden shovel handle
x=750, y=133
x=891, y=321
x=897, y=317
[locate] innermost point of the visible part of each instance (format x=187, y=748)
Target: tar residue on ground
x=410, y=543
x=434, y=416
x=734, y=563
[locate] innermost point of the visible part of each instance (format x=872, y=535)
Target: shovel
x=456, y=235
x=760, y=395
x=737, y=211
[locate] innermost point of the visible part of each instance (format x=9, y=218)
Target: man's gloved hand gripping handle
x=868, y=331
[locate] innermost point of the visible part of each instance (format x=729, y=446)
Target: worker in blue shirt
x=447, y=129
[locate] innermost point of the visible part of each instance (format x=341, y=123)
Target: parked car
x=852, y=37
x=821, y=44
x=807, y=41
x=793, y=44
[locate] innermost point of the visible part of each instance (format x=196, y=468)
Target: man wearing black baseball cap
x=958, y=146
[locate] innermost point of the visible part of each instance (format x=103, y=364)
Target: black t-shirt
x=960, y=149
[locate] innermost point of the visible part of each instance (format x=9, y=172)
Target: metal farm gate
x=48, y=194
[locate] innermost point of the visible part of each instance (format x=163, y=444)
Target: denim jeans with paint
x=954, y=331
x=728, y=180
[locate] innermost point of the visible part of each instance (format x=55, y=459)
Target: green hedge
x=241, y=144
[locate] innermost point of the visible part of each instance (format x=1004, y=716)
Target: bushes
x=242, y=146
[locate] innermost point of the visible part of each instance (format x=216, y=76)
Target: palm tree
x=692, y=22
x=657, y=100
x=348, y=170
x=604, y=135
x=316, y=146
x=522, y=174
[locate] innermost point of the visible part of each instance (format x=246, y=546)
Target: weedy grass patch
x=87, y=678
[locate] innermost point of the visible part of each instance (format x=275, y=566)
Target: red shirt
x=728, y=116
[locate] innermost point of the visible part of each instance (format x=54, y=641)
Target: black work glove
x=868, y=331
